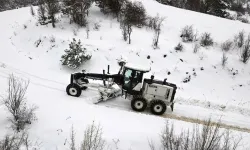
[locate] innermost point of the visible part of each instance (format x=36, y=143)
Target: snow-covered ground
x=213, y=92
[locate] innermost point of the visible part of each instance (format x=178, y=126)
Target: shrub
x=227, y=45
x=16, y=104
x=75, y=55
x=15, y=142
x=206, y=40
x=187, y=34
x=93, y=139
x=224, y=60
x=179, y=47
x=134, y=13
x=240, y=38
x=245, y=54
x=206, y=137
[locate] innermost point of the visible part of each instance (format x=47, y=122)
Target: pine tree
x=77, y=10
x=75, y=55
x=42, y=16
x=52, y=8
x=215, y=7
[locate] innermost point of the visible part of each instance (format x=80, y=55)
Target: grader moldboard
x=143, y=93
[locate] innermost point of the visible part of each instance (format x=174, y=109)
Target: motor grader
x=143, y=92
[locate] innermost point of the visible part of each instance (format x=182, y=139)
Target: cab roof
x=138, y=67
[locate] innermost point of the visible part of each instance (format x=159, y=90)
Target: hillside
x=215, y=91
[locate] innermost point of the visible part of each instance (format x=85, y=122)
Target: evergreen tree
x=215, y=7
x=52, y=8
x=42, y=17
x=77, y=10
x=75, y=55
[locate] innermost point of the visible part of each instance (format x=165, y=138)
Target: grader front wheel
x=74, y=90
x=139, y=104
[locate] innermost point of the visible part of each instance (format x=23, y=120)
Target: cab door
x=131, y=79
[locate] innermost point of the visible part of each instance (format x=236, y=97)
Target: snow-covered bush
x=187, y=34
x=16, y=104
x=75, y=55
x=179, y=47
x=97, y=26
x=206, y=40
x=239, y=39
x=227, y=45
x=245, y=54
x=201, y=137
x=52, y=39
x=24, y=26
x=196, y=47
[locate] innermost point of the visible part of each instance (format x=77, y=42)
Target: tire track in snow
x=121, y=107
x=182, y=118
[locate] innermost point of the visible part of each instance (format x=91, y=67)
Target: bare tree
x=245, y=54
x=157, y=30
x=129, y=30
x=93, y=139
x=16, y=104
x=124, y=31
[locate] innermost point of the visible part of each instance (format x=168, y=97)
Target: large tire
x=158, y=107
x=74, y=90
x=138, y=104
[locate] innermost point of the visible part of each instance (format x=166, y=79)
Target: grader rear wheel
x=158, y=107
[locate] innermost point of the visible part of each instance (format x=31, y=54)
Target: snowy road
x=234, y=121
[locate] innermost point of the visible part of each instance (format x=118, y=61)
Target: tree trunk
x=53, y=21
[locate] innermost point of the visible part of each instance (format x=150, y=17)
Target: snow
x=214, y=92
x=139, y=67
